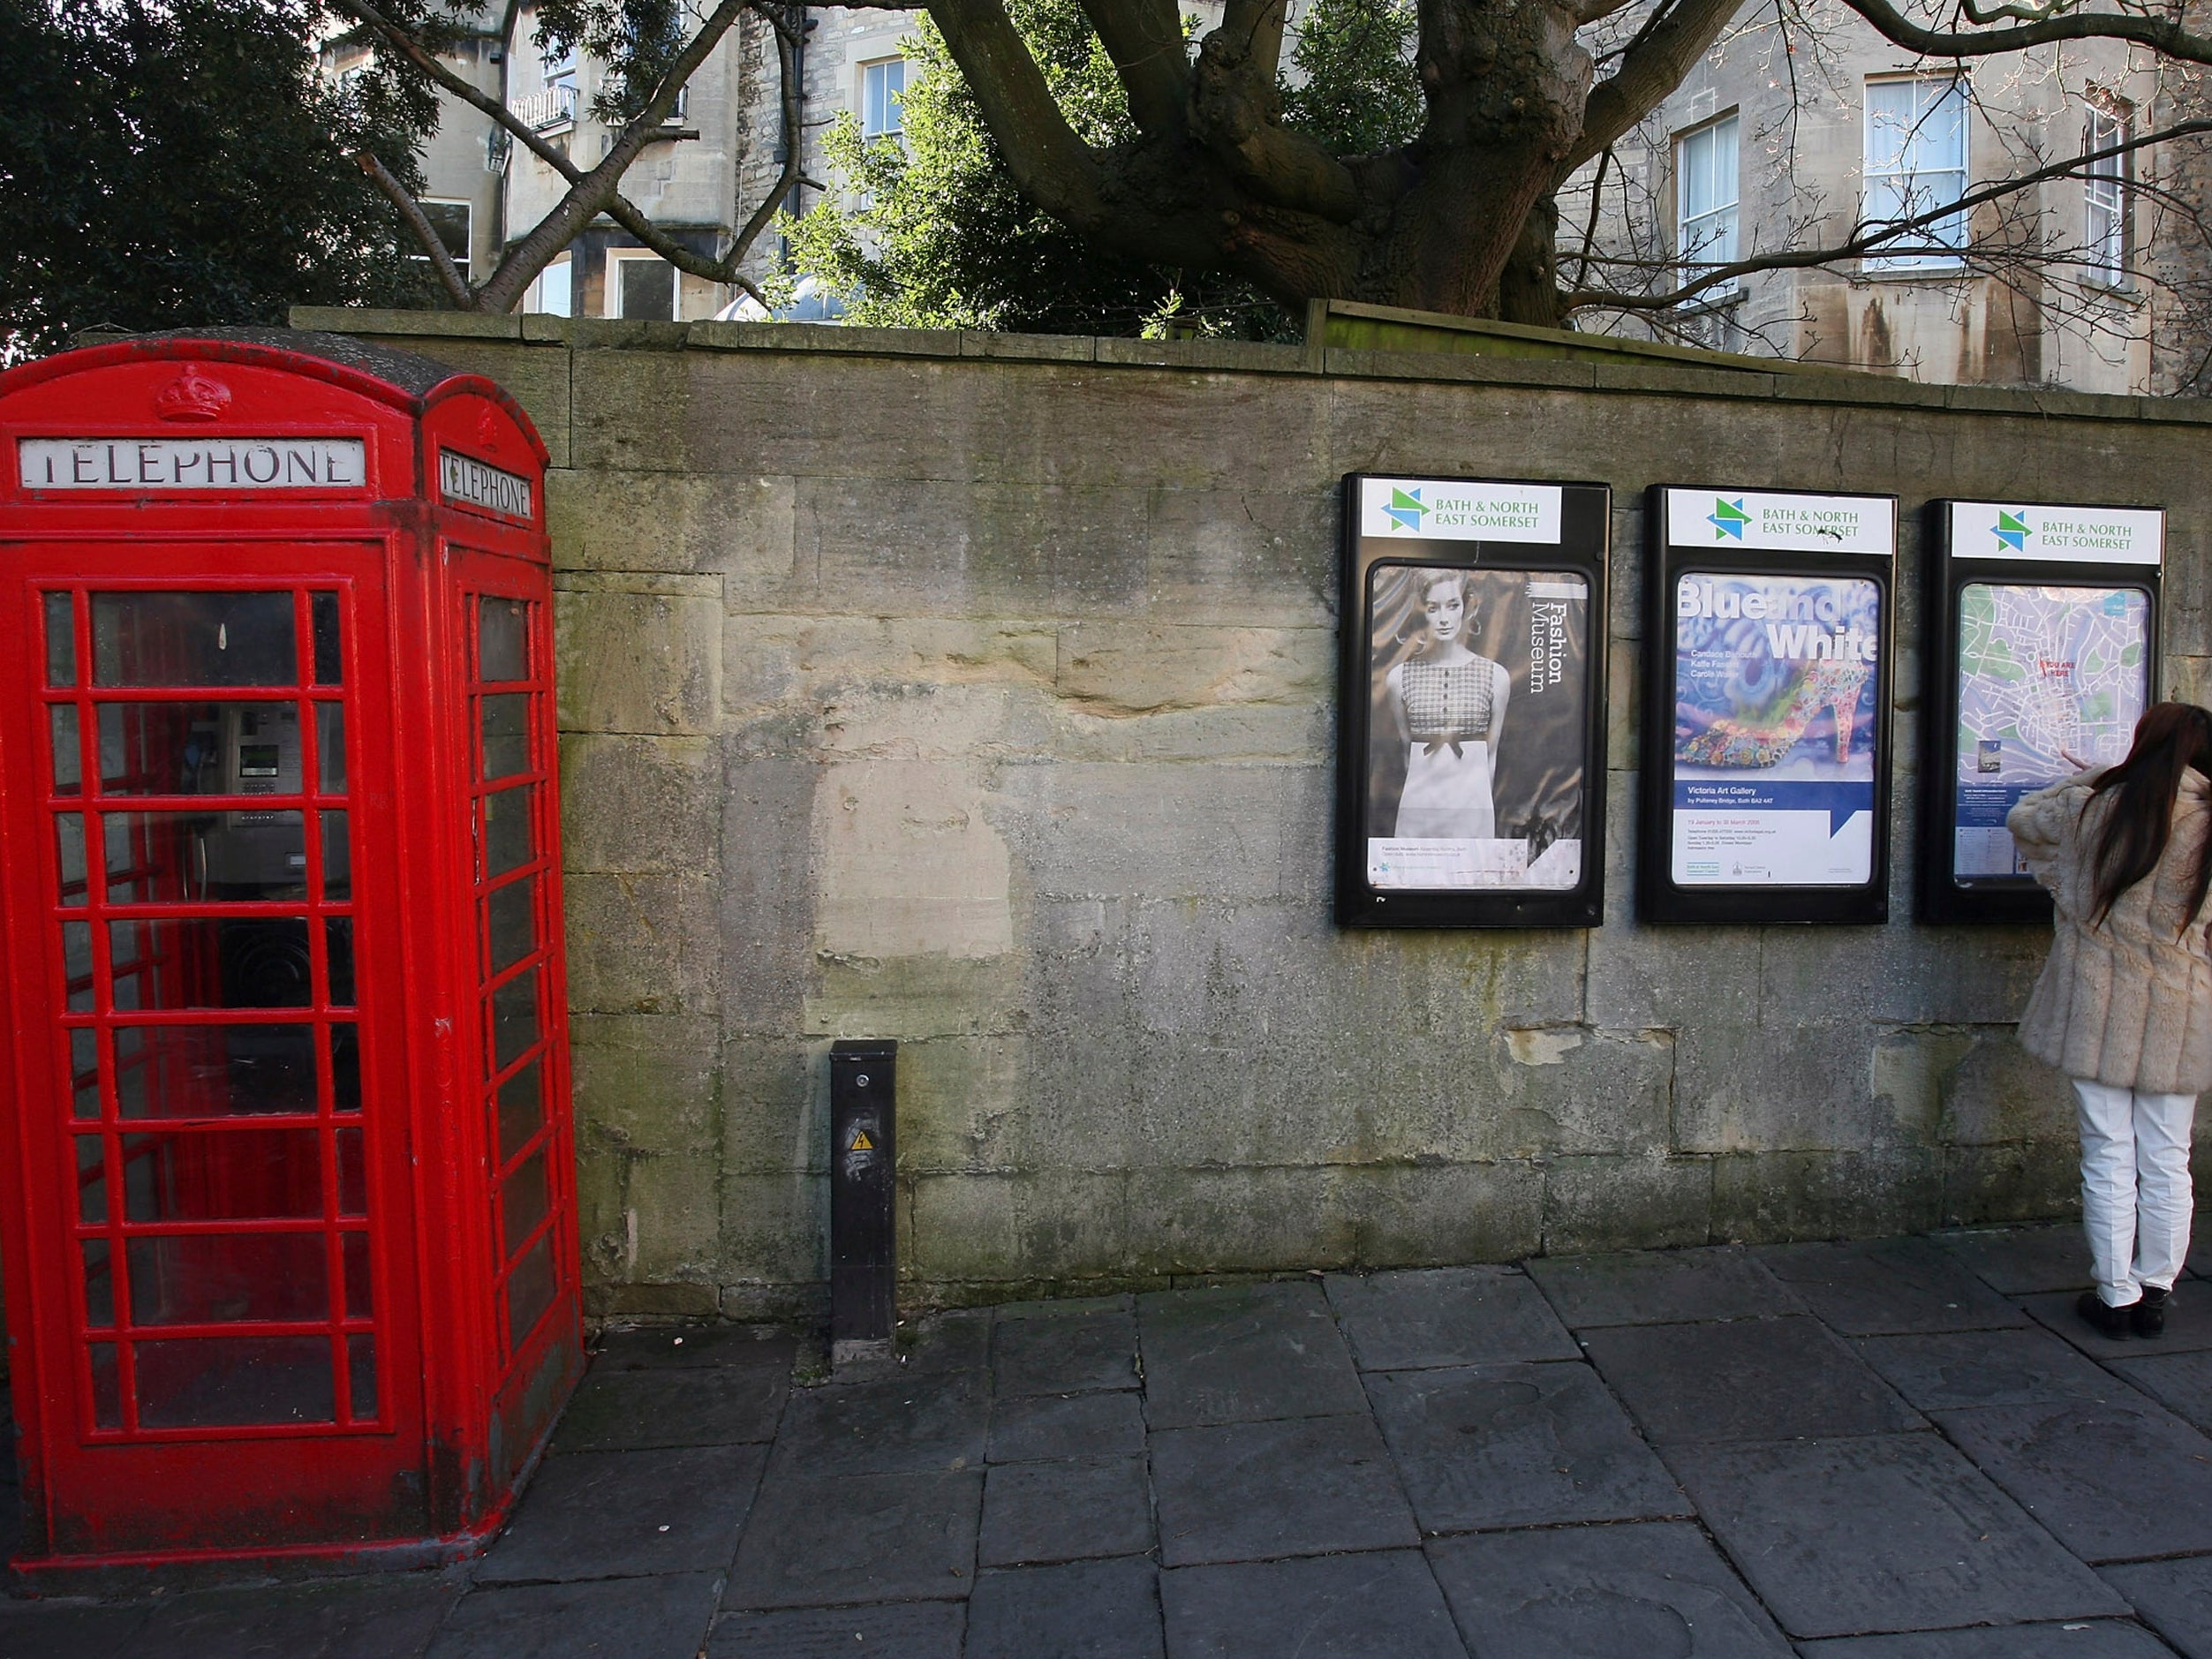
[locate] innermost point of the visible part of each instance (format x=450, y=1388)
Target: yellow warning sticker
x=861, y=1142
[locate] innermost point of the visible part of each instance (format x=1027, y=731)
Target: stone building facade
x=1793, y=133
x=977, y=692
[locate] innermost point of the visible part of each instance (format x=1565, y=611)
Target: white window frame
x=1944, y=243
x=538, y=299
x=466, y=262
x=868, y=72
x=1709, y=238
x=2104, y=198
x=611, y=302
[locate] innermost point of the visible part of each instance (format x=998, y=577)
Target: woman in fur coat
x=2123, y=1007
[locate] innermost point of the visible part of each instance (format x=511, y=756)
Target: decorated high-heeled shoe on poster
x=1832, y=685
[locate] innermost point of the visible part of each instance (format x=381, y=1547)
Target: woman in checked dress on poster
x=1453, y=703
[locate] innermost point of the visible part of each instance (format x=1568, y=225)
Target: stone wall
x=977, y=692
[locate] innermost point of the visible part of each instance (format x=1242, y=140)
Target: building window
x=450, y=221
x=2104, y=200
x=882, y=99
x=552, y=294
x=1705, y=201
x=1917, y=161
x=640, y=285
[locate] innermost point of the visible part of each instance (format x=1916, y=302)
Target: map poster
x=1477, y=714
x=1775, y=719
x=2048, y=677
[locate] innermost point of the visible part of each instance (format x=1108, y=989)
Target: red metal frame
x=401, y=1189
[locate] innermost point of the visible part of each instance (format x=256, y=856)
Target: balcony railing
x=554, y=107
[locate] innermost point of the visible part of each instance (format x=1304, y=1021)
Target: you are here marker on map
x=2043, y=642
x=1765, y=777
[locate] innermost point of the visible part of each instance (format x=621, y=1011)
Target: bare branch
x=1868, y=238
x=2161, y=34
x=456, y=286
x=1652, y=67
x=1597, y=11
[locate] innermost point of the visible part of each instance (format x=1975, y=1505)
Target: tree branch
x=456, y=286
x=1871, y=238
x=1144, y=40
x=2161, y=34
x=1652, y=67
x=1255, y=27
x=1050, y=163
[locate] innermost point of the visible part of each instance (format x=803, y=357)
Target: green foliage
x=636, y=40
x=178, y=163
x=1357, y=90
x=941, y=238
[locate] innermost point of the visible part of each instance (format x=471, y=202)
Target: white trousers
x=2136, y=1198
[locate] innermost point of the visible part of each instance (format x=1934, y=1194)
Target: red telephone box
x=289, y=1219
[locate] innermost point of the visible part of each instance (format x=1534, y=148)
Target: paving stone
x=660, y=1617
x=44, y=1630
x=1065, y=1512
x=1887, y=1286
x=2180, y=1382
x=1883, y=1534
x=662, y=1347
x=1095, y=1348
x=1631, y=1592
x=2173, y=1597
x=1657, y=1288
x=2023, y=1261
x=1086, y=1609
x=1243, y=1354
x=704, y=1406
x=2080, y=1639
x=2113, y=1481
x=1249, y=1492
x=902, y=1630
x=2188, y=1327
x=1517, y=1446
x=387, y=1616
x=1037, y=1427
x=1948, y=1370
x=859, y=1538
x=1381, y=1603
x=899, y=1424
x=1750, y=1379
x=614, y=1514
x=1446, y=1316
x=955, y=1341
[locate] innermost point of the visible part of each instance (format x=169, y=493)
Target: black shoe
x=2108, y=1321
x=2149, y=1315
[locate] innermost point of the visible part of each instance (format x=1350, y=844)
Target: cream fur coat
x=2124, y=1002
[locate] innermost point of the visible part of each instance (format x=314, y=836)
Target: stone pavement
x=1902, y=1450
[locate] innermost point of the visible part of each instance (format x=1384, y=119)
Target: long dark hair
x=2170, y=738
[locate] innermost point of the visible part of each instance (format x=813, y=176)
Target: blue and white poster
x=1774, y=728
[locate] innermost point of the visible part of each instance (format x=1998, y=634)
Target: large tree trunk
x=1459, y=220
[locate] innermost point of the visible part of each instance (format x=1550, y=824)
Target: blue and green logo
x=2010, y=531
x=1728, y=519
x=1406, y=509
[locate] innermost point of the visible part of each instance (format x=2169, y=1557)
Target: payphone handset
x=258, y=752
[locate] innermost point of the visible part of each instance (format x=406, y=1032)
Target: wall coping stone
x=1663, y=379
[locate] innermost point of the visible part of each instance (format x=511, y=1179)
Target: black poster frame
x=1659, y=898
x=1584, y=550
x=1939, y=898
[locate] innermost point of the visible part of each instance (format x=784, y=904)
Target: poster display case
x=1471, y=760
x=1764, y=786
x=2042, y=653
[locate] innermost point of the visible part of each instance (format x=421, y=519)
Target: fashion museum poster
x=1774, y=728
x=1477, y=721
